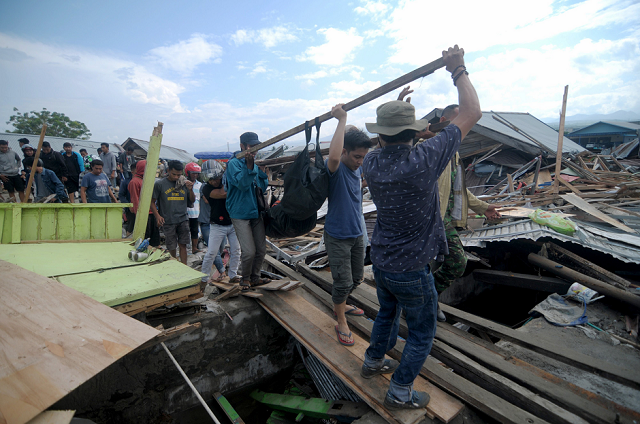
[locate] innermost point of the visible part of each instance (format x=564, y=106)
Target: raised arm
x=470, y=112
x=337, y=142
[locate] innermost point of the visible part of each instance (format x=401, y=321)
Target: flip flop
x=245, y=286
x=356, y=312
x=260, y=282
x=340, y=333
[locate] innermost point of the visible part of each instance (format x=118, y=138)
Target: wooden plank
x=82, y=224
x=114, y=223
x=560, y=139
x=234, y=291
x=591, y=210
x=227, y=408
x=98, y=224
x=148, y=180
x=493, y=405
x=510, y=182
x=16, y=225
x=570, y=186
x=53, y=417
x=2, y=215
x=35, y=162
x=552, y=350
x=585, y=266
x=365, y=98
x=64, y=224
x=30, y=225
x=337, y=359
x=54, y=339
x=526, y=281
x=274, y=285
x=132, y=308
x=48, y=224
x=326, y=323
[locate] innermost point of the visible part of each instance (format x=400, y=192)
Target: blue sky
x=212, y=70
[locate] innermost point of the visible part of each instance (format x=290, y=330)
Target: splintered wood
x=53, y=339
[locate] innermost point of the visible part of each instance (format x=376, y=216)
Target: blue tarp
x=214, y=155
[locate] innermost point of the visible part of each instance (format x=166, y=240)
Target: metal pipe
x=195, y=391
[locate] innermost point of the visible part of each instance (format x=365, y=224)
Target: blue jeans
x=415, y=293
x=204, y=229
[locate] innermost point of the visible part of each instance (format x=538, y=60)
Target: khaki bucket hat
x=394, y=117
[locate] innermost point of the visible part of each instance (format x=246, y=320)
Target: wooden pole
x=556, y=183
x=35, y=163
x=153, y=154
x=372, y=95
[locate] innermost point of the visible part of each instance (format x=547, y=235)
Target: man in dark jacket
x=75, y=165
x=53, y=160
x=46, y=182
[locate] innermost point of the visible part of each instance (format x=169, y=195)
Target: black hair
x=130, y=149
x=24, y=140
x=105, y=144
x=355, y=139
x=175, y=165
x=84, y=150
x=99, y=149
x=28, y=162
x=67, y=144
x=4, y=143
x=401, y=137
x=96, y=162
x=46, y=144
x=448, y=111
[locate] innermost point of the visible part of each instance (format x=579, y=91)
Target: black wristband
x=458, y=76
x=457, y=67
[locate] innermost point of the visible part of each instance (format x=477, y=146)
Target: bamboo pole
x=35, y=163
x=556, y=183
x=149, y=179
x=372, y=95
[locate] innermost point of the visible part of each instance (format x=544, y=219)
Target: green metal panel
x=114, y=224
x=64, y=224
x=98, y=224
x=30, y=224
x=81, y=224
x=60, y=221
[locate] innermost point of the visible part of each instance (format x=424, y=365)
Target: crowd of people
x=416, y=181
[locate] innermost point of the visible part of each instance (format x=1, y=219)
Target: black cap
x=249, y=139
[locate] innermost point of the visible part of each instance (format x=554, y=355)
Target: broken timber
x=485, y=360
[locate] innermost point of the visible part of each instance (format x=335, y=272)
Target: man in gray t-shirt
x=109, y=160
x=173, y=195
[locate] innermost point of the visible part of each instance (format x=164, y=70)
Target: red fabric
x=135, y=186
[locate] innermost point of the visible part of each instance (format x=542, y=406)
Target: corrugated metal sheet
x=56, y=143
x=607, y=127
x=624, y=150
x=487, y=131
x=528, y=123
x=166, y=152
x=527, y=229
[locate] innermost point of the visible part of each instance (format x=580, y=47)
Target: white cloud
x=269, y=37
x=337, y=50
x=352, y=88
x=186, y=55
x=259, y=68
x=511, y=23
x=127, y=78
x=375, y=8
x=313, y=75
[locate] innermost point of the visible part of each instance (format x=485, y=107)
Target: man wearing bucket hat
x=409, y=233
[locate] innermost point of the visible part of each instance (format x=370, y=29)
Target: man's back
x=403, y=181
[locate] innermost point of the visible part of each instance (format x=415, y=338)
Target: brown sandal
x=245, y=285
x=260, y=282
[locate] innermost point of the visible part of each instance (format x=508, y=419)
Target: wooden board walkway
x=316, y=330
x=52, y=340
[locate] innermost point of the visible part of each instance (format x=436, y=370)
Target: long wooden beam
x=366, y=98
x=35, y=163
x=148, y=180
x=560, y=139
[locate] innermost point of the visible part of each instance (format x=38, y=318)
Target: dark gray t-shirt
x=172, y=202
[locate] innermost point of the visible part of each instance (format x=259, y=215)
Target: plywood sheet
x=70, y=258
x=52, y=340
x=123, y=285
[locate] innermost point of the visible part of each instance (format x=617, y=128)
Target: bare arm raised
x=470, y=112
x=337, y=142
